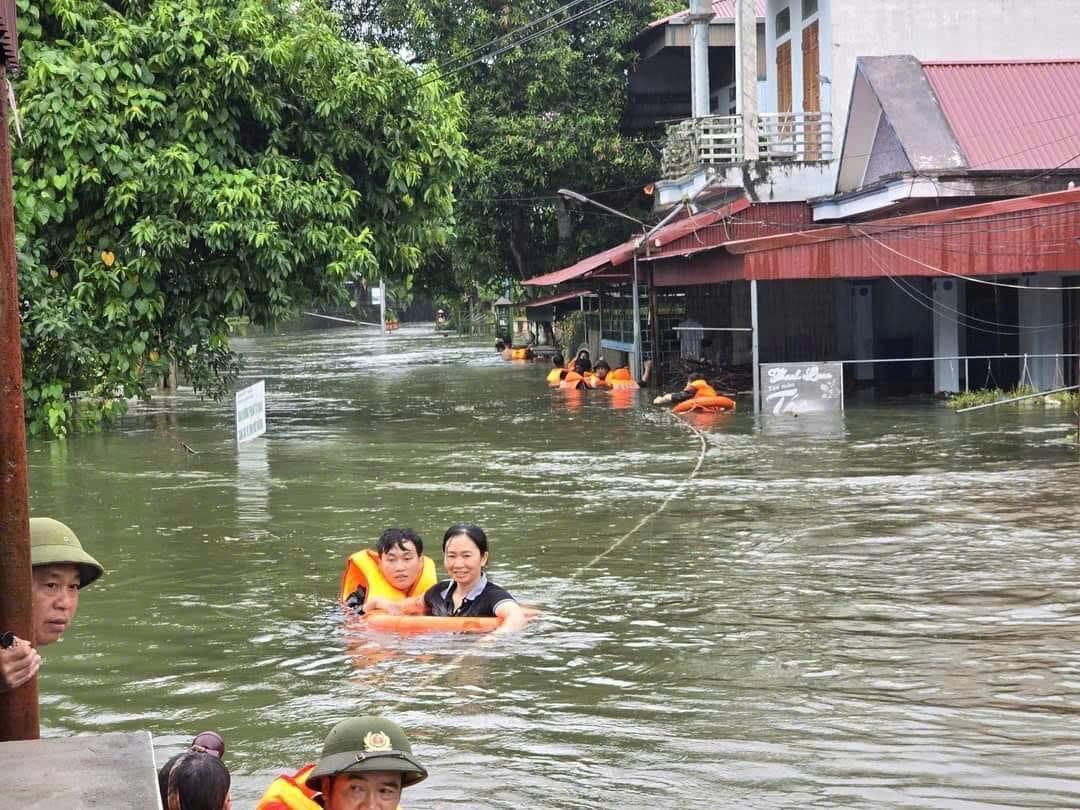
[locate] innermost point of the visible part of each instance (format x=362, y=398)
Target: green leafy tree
x=541, y=116
x=189, y=161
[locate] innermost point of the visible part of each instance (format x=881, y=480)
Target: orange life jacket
x=592, y=381
x=571, y=380
x=619, y=374
x=555, y=376
x=702, y=388
x=290, y=793
x=362, y=571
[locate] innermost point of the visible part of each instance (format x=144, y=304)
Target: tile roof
x=1012, y=115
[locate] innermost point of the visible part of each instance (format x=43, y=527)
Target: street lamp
x=646, y=235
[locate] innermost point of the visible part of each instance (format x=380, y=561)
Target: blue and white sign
x=797, y=388
x=251, y=412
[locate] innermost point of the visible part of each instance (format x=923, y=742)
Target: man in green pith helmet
x=365, y=764
x=60, y=569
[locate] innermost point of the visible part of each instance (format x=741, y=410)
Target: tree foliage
x=189, y=161
x=541, y=116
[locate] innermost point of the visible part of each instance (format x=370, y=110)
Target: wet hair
x=194, y=781
x=397, y=538
x=582, y=363
x=601, y=363
x=499, y=346
x=474, y=533
x=558, y=360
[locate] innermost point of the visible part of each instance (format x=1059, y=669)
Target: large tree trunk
x=519, y=241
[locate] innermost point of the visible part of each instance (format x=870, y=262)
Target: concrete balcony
x=794, y=156
x=717, y=140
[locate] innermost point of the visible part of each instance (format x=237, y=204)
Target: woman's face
x=463, y=560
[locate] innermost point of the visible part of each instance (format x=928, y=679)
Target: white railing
x=717, y=140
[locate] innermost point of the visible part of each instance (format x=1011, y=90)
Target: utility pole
x=18, y=708
x=746, y=93
x=701, y=15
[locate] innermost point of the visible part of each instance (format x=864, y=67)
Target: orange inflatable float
x=412, y=625
x=521, y=354
x=713, y=404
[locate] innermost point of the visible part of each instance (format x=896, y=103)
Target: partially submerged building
x=935, y=250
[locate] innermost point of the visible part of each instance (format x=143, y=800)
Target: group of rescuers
x=581, y=373
x=366, y=761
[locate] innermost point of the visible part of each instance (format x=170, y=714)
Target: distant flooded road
x=879, y=611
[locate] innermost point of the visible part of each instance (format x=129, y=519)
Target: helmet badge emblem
x=377, y=741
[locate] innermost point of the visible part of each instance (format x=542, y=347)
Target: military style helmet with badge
x=53, y=543
x=368, y=743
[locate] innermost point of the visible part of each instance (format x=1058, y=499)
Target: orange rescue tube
x=715, y=404
x=520, y=354
x=571, y=380
x=411, y=625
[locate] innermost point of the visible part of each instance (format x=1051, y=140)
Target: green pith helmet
x=368, y=743
x=51, y=542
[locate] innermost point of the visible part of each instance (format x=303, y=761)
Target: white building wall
x=928, y=29
x=947, y=309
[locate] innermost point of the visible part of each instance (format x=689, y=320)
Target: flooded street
x=882, y=611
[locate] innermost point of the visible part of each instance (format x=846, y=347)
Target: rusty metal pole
x=19, y=708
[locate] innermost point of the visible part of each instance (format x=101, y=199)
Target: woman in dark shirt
x=468, y=592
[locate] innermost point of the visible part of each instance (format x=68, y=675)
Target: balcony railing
x=717, y=140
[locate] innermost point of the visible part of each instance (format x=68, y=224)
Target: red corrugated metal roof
x=747, y=221
x=558, y=298
x=1022, y=235
x=1012, y=115
x=612, y=256
x=689, y=235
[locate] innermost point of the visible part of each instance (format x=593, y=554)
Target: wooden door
x=778, y=138
x=811, y=68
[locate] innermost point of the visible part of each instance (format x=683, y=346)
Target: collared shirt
x=481, y=600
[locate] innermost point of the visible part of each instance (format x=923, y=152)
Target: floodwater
x=882, y=610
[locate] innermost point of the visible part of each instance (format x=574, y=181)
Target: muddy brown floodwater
x=882, y=610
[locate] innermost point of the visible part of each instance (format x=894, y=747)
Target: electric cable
x=972, y=279
x=472, y=51
x=518, y=43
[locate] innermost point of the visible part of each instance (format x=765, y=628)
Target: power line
x=443, y=66
x=518, y=43
x=972, y=279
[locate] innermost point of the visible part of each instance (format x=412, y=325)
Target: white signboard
x=251, y=412
x=797, y=388
x=376, y=295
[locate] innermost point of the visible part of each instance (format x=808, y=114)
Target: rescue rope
x=450, y=666
x=663, y=505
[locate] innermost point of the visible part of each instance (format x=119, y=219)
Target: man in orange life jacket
x=366, y=762
x=396, y=569
x=694, y=388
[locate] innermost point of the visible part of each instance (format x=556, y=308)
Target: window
x=809, y=8
x=783, y=22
